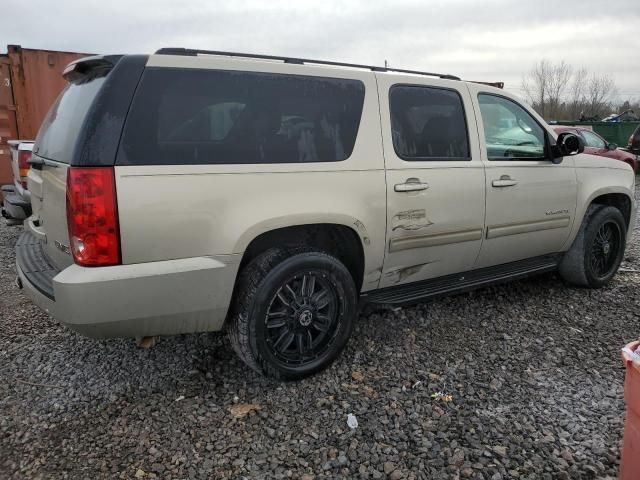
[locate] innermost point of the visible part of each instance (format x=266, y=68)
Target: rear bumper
x=156, y=298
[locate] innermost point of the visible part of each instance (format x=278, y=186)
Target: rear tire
x=292, y=313
x=598, y=249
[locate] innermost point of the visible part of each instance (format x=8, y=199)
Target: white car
x=16, y=206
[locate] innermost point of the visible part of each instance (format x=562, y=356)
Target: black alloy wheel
x=605, y=249
x=598, y=249
x=301, y=319
x=293, y=312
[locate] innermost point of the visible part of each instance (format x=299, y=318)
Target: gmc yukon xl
x=191, y=190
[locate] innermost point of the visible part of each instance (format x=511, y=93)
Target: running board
x=461, y=282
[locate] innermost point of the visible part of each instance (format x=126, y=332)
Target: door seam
x=481, y=146
x=386, y=186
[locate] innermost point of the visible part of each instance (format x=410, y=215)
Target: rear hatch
x=53, y=154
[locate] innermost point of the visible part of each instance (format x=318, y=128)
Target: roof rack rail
x=298, y=61
x=491, y=84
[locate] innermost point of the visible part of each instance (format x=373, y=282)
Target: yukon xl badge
x=556, y=212
x=62, y=247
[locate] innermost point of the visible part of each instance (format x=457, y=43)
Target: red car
x=596, y=145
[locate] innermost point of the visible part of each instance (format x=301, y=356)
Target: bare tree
x=558, y=92
x=535, y=85
x=577, y=93
x=557, y=82
x=600, y=91
x=631, y=105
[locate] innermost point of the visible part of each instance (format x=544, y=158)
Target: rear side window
x=428, y=123
x=60, y=129
x=187, y=117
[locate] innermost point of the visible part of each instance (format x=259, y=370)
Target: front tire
x=598, y=249
x=292, y=313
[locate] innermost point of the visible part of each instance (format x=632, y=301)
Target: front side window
x=428, y=123
x=592, y=140
x=187, y=117
x=510, y=132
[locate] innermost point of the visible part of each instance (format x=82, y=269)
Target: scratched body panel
x=447, y=237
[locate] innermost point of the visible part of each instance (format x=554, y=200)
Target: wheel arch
x=621, y=200
x=613, y=195
x=632, y=162
x=344, y=238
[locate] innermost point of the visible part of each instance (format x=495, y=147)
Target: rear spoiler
x=80, y=68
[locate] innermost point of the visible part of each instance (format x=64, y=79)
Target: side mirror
x=612, y=146
x=566, y=144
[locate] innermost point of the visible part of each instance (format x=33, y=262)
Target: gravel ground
x=533, y=369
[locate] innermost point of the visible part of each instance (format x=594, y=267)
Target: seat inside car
x=435, y=138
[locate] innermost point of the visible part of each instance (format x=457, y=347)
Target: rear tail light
x=23, y=166
x=92, y=216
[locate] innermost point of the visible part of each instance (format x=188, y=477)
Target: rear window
x=183, y=117
x=58, y=133
x=428, y=123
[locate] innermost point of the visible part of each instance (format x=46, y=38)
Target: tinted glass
x=592, y=140
x=428, y=124
x=223, y=117
x=59, y=130
x=510, y=132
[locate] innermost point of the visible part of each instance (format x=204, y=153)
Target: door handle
x=411, y=185
x=505, y=181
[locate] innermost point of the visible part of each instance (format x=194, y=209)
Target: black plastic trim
x=34, y=264
x=98, y=140
x=461, y=282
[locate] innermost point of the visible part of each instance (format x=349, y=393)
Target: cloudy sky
x=490, y=40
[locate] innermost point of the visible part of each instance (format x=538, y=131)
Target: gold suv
x=192, y=190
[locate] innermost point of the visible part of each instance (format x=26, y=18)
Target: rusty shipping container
x=30, y=81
